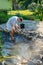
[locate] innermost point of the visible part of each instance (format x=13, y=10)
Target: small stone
x=42, y=59
x=31, y=63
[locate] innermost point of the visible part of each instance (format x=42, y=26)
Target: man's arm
x=17, y=28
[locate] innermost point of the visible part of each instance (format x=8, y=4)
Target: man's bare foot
x=13, y=39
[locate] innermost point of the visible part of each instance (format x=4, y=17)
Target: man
x=12, y=25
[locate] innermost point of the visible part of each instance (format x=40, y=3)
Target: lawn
x=5, y=4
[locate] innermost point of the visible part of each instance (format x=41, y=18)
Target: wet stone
x=42, y=59
x=31, y=63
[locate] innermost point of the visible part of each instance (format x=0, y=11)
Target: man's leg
x=12, y=34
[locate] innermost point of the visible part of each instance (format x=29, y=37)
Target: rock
x=42, y=59
x=37, y=62
x=31, y=63
x=24, y=33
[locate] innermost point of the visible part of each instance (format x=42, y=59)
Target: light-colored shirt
x=12, y=20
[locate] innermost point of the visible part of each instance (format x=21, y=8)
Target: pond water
x=21, y=49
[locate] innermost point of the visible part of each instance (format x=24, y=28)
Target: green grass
x=1, y=45
x=5, y=4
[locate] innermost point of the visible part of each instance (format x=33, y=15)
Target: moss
x=1, y=45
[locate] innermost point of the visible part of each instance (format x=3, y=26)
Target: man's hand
x=16, y=27
x=19, y=30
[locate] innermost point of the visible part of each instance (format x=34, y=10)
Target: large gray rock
x=29, y=25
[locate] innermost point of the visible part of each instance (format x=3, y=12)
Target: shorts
x=10, y=28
